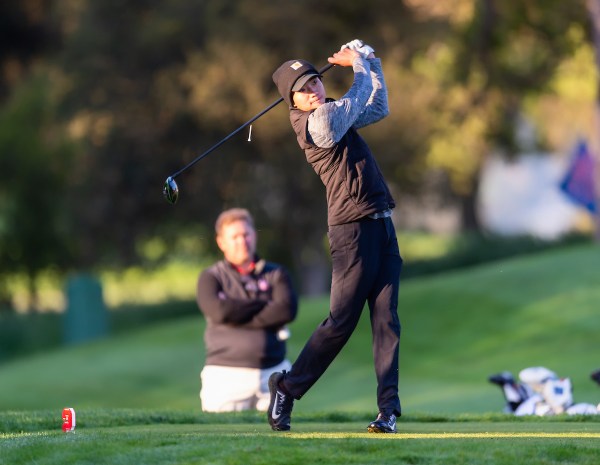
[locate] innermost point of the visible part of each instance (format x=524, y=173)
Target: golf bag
x=514, y=393
x=540, y=392
x=596, y=376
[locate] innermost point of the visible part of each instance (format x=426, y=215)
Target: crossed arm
x=220, y=308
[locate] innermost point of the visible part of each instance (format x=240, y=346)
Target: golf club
x=170, y=188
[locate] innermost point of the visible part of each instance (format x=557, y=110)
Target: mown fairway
x=458, y=328
x=152, y=437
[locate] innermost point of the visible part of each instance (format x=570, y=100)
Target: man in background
x=247, y=303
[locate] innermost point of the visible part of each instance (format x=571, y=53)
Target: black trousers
x=366, y=269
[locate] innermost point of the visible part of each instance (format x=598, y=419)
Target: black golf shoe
x=596, y=376
x=383, y=424
x=280, y=406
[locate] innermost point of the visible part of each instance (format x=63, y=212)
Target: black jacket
x=244, y=314
x=354, y=184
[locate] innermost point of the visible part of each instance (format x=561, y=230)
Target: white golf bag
x=541, y=392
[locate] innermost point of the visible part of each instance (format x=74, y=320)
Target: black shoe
x=596, y=376
x=383, y=424
x=280, y=407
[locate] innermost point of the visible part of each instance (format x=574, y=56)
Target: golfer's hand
x=344, y=57
x=353, y=44
x=366, y=51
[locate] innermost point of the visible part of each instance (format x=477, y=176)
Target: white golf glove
x=359, y=46
x=353, y=44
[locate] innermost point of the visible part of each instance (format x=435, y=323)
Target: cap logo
x=296, y=65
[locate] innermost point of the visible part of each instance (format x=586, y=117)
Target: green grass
x=458, y=328
x=152, y=437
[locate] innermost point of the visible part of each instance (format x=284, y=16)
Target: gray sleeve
x=328, y=123
x=377, y=106
x=365, y=103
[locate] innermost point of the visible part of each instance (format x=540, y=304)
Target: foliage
x=174, y=77
x=26, y=334
x=34, y=170
x=474, y=249
x=506, y=53
x=26, y=35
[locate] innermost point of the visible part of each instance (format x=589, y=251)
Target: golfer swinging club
x=364, y=251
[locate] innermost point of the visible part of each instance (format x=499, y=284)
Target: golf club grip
x=324, y=69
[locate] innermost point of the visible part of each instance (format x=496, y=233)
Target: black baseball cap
x=291, y=77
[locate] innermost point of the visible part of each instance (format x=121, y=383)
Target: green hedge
x=476, y=249
x=26, y=334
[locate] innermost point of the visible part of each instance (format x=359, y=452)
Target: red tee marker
x=68, y=417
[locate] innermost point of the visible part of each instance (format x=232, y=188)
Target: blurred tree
x=121, y=61
x=145, y=86
x=170, y=80
x=27, y=32
x=506, y=52
x=593, y=7
x=35, y=160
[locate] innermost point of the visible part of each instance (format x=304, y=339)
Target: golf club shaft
x=246, y=124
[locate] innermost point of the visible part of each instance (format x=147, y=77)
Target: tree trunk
x=593, y=7
x=468, y=206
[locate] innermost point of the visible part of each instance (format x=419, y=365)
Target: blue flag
x=578, y=182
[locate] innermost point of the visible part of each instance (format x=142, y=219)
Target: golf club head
x=171, y=191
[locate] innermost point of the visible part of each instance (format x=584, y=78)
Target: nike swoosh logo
x=274, y=414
